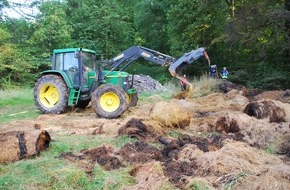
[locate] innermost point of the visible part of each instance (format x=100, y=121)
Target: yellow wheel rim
x=48, y=95
x=128, y=98
x=109, y=102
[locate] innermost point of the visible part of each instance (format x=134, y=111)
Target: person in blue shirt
x=224, y=73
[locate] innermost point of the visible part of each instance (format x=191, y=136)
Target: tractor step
x=74, y=95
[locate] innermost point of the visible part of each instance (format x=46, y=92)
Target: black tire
x=83, y=103
x=109, y=101
x=132, y=99
x=51, y=94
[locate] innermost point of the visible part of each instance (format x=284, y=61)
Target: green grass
x=48, y=171
x=17, y=104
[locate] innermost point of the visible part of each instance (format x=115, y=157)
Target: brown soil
x=218, y=141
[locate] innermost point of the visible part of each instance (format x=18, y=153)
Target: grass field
x=48, y=171
x=17, y=104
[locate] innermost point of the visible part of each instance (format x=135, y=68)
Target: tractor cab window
x=68, y=63
x=89, y=60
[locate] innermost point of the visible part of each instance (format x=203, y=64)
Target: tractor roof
x=72, y=50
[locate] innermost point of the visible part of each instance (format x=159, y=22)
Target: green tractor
x=76, y=78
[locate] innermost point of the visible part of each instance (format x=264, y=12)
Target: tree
x=52, y=29
x=101, y=25
x=151, y=24
x=14, y=69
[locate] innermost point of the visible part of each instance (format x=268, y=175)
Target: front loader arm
x=130, y=55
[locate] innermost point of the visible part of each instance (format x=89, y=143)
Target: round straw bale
x=16, y=145
x=170, y=115
x=276, y=111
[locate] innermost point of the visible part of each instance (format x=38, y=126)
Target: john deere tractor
x=76, y=78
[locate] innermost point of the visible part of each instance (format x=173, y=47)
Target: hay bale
x=170, y=115
x=268, y=108
x=228, y=124
x=16, y=145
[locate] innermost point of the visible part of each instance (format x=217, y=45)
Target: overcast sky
x=16, y=11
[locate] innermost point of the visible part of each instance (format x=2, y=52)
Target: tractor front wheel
x=109, y=101
x=51, y=94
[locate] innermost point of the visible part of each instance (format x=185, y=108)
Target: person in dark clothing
x=212, y=71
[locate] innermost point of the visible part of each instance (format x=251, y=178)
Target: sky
x=14, y=12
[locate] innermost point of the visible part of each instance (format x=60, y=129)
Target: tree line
x=250, y=37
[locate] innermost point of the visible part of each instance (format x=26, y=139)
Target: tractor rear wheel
x=109, y=101
x=51, y=94
x=132, y=99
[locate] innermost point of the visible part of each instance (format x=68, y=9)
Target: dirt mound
x=283, y=96
x=137, y=129
x=226, y=86
x=236, y=160
x=149, y=176
x=170, y=115
x=103, y=155
x=256, y=132
x=139, y=152
x=276, y=111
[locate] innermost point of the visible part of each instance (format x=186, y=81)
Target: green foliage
x=151, y=22
x=270, y=78
x=101, y=25
x=52, y=31
x=192, y=24
x=239, y=35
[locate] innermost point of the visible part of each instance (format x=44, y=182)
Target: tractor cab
x=79, y=65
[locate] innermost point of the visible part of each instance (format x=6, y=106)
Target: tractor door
x=89, y=69
x=68, y=63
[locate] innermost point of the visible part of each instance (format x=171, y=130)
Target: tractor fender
x=60, y=73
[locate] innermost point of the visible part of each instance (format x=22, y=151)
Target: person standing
x=224, y=73
x=212, y=71
x=183, y=83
